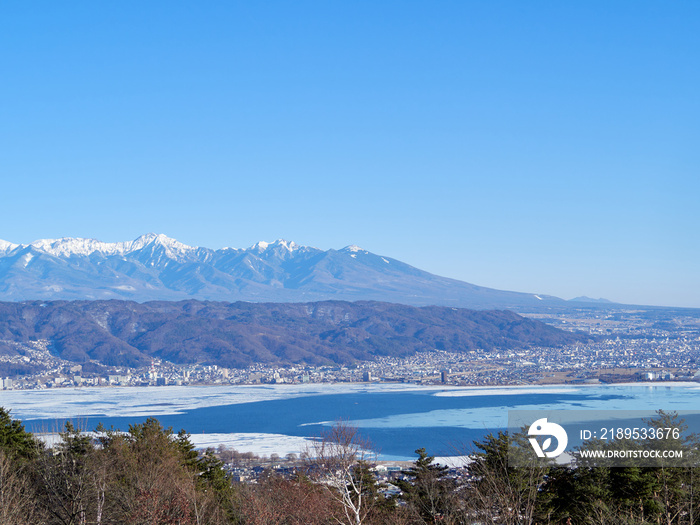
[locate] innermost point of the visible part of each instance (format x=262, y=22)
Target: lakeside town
x=628, y=346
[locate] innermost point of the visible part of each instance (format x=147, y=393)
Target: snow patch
x=383, y=259
x=257, y=443
x=101, y=320
x=453, y=461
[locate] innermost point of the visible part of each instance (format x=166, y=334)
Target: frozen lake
x=280, y=418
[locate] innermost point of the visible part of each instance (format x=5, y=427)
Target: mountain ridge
x=126, y=333
x=157, y=267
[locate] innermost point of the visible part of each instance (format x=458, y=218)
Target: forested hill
x=124, y=333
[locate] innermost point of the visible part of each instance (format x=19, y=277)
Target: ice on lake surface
x=158, y=401
x=257, y=443
x=154, y=401
x=452, y=408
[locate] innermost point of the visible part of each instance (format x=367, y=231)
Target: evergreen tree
x=576, y=494
x=16, y=442
x=428, y=491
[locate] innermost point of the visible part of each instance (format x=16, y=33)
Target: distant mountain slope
x=125, y=333
x=584, y=299
x=155, y=267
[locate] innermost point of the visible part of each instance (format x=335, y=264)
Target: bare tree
x=64, y=479
x=17, y=499
x=339, y=459
x=276, y=501
x=499, y=493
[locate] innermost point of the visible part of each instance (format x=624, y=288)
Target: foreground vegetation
x=151, y=475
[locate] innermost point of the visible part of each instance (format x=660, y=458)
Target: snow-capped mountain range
x=156, y=267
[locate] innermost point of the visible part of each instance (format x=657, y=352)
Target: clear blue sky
x=549, y=147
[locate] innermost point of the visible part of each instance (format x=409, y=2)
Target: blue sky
x=547, y=147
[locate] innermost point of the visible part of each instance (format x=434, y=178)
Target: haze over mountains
x=156, y=267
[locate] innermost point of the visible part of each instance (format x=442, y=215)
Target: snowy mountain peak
x=6, y=246
x=156, y=267
x=172, y=246
x=288, y=245
x=261, y=246
x=143, y=240
x=67, y=246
